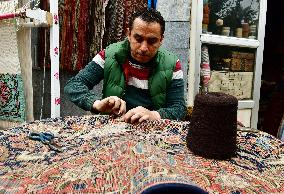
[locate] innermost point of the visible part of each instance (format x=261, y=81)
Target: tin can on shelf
x=226, y=31
x=239, y=32
x=252, y=33
x=245, y=27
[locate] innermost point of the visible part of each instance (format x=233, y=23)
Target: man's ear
x=162, y=38
x=128, y=33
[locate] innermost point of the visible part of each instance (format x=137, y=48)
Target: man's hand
x=140, y=114
x=111, y=104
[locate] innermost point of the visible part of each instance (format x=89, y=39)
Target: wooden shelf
x=229, y=41
x=245, y=104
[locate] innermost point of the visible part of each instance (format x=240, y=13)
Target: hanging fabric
x=205, y=68
x=12, y=95
x=43, y=40
x=81, y=32
x=152, y=4
x=117, y=17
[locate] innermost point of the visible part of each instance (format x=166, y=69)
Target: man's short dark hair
x=148, y=15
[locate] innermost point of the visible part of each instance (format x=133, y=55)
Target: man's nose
x=144, y=46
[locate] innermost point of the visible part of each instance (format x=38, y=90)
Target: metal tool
x=47, y=139
x=247, y=129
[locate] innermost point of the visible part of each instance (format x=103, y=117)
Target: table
x=102, y=154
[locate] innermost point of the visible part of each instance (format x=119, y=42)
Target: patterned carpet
x=102, y=154
x=12, y=102
x=12, y=96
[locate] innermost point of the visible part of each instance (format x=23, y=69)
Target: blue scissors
x=47, y=139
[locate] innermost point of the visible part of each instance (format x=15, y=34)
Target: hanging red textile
x=81, y=27
x=118, y=13
x=67, y=30
x=82, y=31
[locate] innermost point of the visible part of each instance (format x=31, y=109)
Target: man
x=141, y=80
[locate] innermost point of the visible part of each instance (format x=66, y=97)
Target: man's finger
x=144, y=118
x=117, y=103
x=135, y=118
x=122, y=108
x=128, y=115
x=111, y=102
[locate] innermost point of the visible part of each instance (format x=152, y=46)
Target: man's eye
x=139, y=39
x=152, y=41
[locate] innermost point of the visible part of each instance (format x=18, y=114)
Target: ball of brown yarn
x=213, y=128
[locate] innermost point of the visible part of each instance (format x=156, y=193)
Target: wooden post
x=54, y=57
x=24, y=50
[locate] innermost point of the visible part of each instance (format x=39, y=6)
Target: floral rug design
x=12, y=101
x=103, y=155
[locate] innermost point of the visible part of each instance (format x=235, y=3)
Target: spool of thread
x=245, y=27
x=213, y=128
x=219, y=22
x=204, y=28
x=205, y=19
x=206, y=9
x=239, y=32
x=252, y=30
x=226, y=31
x=219, y=25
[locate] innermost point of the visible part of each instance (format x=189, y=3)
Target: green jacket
x=160, y=78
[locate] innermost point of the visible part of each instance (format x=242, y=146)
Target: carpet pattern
x=102, y=154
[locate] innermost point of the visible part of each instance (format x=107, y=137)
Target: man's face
x=145, y=40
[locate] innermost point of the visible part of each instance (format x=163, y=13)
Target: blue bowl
x=174, y=188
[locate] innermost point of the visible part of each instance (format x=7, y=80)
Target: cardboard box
x=238, y=84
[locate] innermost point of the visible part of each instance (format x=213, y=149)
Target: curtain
x=81, y=30
x=87, y=26
x=117, y=17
